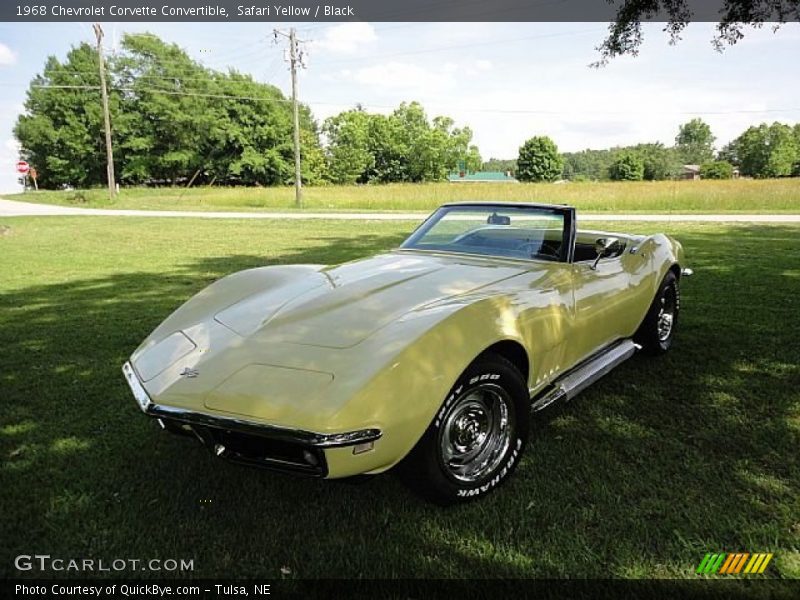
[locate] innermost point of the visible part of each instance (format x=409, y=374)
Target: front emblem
x=189, y=373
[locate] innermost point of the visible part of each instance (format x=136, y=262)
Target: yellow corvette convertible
x=429, y=357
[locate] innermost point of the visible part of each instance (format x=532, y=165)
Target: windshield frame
x=566, y=212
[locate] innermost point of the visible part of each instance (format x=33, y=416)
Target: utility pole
x=112, y=186
x=295, y=60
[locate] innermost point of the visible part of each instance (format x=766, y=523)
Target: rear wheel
x=657, y=331
x=476, y=439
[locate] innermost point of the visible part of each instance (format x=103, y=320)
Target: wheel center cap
x=470, y=430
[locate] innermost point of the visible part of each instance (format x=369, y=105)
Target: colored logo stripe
x=732, y=564
x=711, y=563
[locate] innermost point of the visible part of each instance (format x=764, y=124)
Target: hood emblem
x=189, y=373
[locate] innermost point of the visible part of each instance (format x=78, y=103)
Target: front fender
x=402, y=399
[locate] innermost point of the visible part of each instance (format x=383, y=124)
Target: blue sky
x=507, y=81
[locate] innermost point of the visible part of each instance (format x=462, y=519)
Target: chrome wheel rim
x=666, y=315
x=476, y=433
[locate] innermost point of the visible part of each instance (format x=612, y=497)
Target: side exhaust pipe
x=585, y=374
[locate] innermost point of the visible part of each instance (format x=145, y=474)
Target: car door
x=546, y=314
x=607, y=300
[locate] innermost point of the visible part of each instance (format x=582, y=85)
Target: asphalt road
x=14, y=208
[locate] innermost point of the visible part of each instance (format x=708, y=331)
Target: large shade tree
x=404, y=146
x=767, y=150
x=735, y=16
x=173, y=121
x=61, y=130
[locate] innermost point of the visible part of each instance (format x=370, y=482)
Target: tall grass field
x=731, y=196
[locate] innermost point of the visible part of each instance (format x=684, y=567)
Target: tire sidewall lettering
x=456, y=393
x=498, y=477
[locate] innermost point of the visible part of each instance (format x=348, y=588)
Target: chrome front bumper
x=241, y=440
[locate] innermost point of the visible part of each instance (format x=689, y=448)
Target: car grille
x=260, y=451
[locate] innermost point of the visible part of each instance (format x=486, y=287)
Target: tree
x=173, y=121
x=729, y=153
x=402, y=146
x=539, y=160
x=186, y=119
x=768, y=151
x=695, y=142
x=587, y=164
x=718, y=169
x=61, y=131
x=499, y=164
x=348, y=150
x=659, y=161
x=627, y=166
x=625, y=32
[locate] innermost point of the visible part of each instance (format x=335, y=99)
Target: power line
x=458, y=46
x=210, y=77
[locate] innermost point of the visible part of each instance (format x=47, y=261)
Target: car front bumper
x=263, y=445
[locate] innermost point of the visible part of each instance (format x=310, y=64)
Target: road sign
x=23, y=167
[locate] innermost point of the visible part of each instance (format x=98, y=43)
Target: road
x=14, y=208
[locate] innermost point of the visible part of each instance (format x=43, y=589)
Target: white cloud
x=347, y=38
x=9, y=155
x=403, y=78
x=11, y=147
x=7, y=56
x=483, y=65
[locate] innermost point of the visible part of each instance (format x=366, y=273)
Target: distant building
x=691, y=171
x=481, y=176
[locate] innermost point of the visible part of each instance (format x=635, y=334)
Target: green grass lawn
x=753, y=196
x=660, y=462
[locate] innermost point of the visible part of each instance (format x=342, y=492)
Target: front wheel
x=657, y=331
x=477, y=436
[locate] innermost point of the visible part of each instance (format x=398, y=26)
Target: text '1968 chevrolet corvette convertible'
x=429, y=357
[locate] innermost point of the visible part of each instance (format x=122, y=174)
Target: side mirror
x=605, y=247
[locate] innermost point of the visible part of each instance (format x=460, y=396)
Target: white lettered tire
x=476, y=438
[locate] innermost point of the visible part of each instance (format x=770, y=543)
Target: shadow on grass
x=657, y=464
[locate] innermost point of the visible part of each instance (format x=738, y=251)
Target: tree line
x=178, y=122
x=175, y=121
x=766, y=150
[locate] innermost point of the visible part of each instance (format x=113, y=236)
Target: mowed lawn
x=732, y=196
x=660, y=462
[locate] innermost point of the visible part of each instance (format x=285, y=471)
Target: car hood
x=338, y=307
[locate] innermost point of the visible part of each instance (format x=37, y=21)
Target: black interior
x=586, y=251
x=512, y=242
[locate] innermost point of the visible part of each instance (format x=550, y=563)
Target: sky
x=506, y=81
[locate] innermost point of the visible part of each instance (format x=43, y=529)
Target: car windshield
x=525, y=232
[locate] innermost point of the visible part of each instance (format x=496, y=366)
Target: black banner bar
x=360, y=10
x=206, y=589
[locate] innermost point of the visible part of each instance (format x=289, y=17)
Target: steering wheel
x=532, y=248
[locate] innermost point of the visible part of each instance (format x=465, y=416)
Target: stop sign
x=23, y=167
